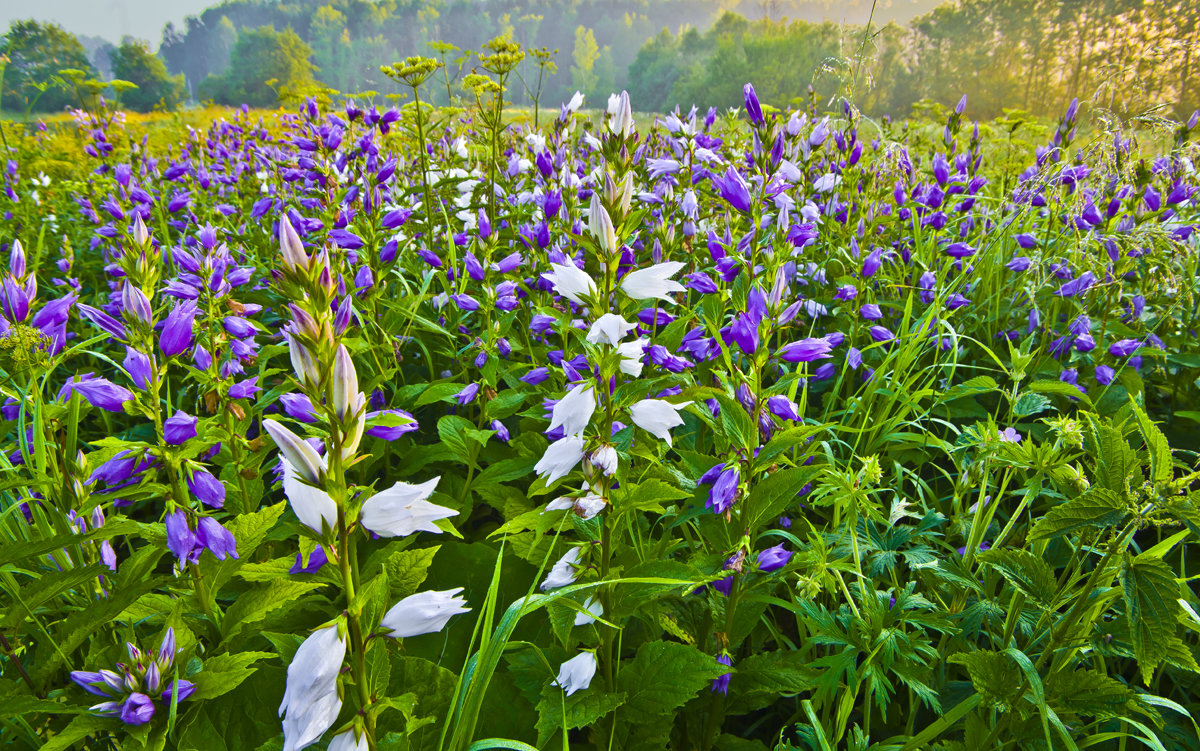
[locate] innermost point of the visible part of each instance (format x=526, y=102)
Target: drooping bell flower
x=657, y=417
x=653, y=282
x=177, y=330
x=179, y=428
x=576, y=673
x=403, y=509
x=310, y=700
x=564, y=571
x=423, y=613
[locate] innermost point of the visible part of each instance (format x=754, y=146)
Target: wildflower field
x=356, y=427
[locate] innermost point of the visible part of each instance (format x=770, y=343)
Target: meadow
x=356, y=427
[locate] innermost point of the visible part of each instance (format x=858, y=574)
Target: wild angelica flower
x=423, y=613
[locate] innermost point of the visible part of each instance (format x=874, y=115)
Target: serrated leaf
x=504, y=404
x=1159, y=450
x=737, y=426
x=1027, y=572
x=663, y=677
x=973, y=387
x=762, y=679
x=649, y=496
x=1098, y=507
x=79, y=728
x=406, y=570
x=776, y=493
x=1061, y=388
x=254, y=605
x=1115, y=461
x=1151, y=608
x=582, y=709
x=46, y=587
x=995, y=676
x=452, y=432
x=1029, y=403
x=1089, y=692
x=224, y=673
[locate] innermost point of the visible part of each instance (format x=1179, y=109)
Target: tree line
x=1129, y=56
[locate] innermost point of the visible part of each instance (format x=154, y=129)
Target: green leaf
x=224, y=673
x=776, y=493
x=648, y=496
x=14, y=552
x=995, y=676
x=438, y=392
x=1151, y=607
x=254, y=605
x=1098, y=507
x=1161, y=467
x=452, y=431
x=1089, y=692
x=27, y=706
x=46, y=587
x=1115, y=461
x=663, y=677
x=81, y=727
x=1060, y=388
x=762, y=679
x=974, y=387
x=1026, y=571
x=1030, y=404
x=505, y=404
x=582, y=709
x=785, y=440
x=736, y=425
x=406, y=570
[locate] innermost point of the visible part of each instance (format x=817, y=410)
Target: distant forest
x=1130, y=56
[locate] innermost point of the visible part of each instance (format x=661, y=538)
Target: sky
x=111, y=19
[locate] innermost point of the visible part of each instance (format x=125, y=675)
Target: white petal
x=574, y=411
x=311, y=505
x=560, y=458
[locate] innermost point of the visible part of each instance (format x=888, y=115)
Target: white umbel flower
x=657, y=417
x=423, y=613
x=403, y=509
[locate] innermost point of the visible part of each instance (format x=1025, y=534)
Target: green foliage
x=37, y=54
x=265, y=66
x=134, y=62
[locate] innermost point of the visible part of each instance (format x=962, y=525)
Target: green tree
x=585, y=55
x=265, y=64
x=37, y=52
x=134, y=62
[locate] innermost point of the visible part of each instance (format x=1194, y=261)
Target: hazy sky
x=110, y=19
